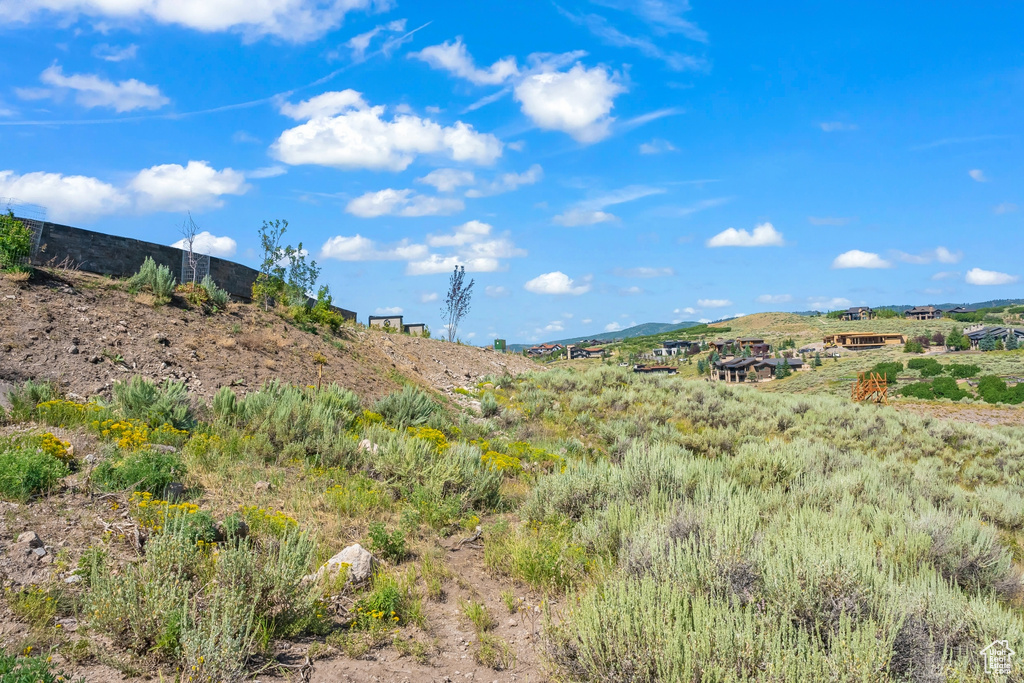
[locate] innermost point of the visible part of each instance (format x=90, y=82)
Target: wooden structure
x=858, y=341
x=871, y=387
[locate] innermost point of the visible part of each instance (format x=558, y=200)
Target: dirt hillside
x=85, y=332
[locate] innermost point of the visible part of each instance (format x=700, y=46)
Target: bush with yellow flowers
x=55, y=448
x=62, y=413
x=434, y=436
x=266, y=522
x=128, y=435
x=501, y=462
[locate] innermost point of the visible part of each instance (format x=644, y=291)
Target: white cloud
x=631, y=291
x=167, y=187
x=611, y=35
x=657, y=146
x=292, y=20
x=495, y=291
x=342, y=131
x=196, y=186
x=589, y=211
x=576, y=217
x=508, y=182
x=978, y=175
x=836, y=126
x=688, y=311
x=454, y=58
x=1005, y=207
x=359, y=248
x=448, y=179
x=612, y=327
x=388, y=310
x=405, y=203
x=92, y=91
x=578, y=101
x=326, y=104
x=266, y=172
x=557, y=282
x=66, y=198
x=946, y=275
x=586, y=321
x=832, y=304
x=644, y=272
x=940, y=254
x=208, y=243
x=470, y=231
x=977, y=276
x=774, y=298
x=358, y=45
x=764, y=235
x=855, y=258
x=713, y=303
x=112, y=53
x=428, y=297
x=554, y=326
x=665, y=17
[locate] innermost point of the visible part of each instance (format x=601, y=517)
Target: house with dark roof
x=997, y=332
x=922, y=313
x=961, y=309
x=386, y=322
x=858, y=313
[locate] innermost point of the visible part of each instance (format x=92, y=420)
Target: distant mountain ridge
x=642, y=330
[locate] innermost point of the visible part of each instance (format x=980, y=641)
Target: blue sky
x=593, y=163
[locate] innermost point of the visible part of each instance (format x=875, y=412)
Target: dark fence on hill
x=97, y=252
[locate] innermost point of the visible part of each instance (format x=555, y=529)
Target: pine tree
x=988, y=343
x=1012, y=344
x=817, y=359
x=783, y=369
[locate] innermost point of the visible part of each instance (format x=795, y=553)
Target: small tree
x=15, y=242
x=270, y=282
x=188, y=231
x=1011, y=342
x=456, y=303
x=817, y=359
x=783, y=369
x=988, y=343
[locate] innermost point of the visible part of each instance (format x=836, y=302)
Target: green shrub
x=929, y=367
x=25, y=398
x=409, y=407
x=157, y=279
x=217, y=296
x=30, y=670
x=141, y=399
x=224, y=403
x=15, y=243
x=921, y=390
x=489, y=405
x=946, y=387
x=962, y=371
x=994, y=390
x=389, y=546
x=145, y=470
x=26, y=472
x=913, y=347
x=891, y=371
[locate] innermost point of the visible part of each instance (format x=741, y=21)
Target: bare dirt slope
x=85, y=332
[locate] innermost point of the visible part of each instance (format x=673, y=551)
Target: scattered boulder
x=30, y=540
x=163, y=448
x=356, y=558
x=174, y=491
x=368, y=446
x=161, y=339
x=262, y=487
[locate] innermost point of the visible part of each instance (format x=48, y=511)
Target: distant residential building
x=961, y=309
x=858, y=313
x=414, y=328
x=922, y=313
x=650, y=369
x=996, y=332
x=751, y=369
x=544, y=349
x=390, y=322
x=859, y=341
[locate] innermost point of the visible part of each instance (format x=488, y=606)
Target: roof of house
x=384, y=317
x=593, y=349
x=857, y=309
x=924, y=309
x=774, y=362
x=994, y=331
x=962, y=309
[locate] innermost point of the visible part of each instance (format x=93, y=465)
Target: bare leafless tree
x=188, y=231
x=456, y=303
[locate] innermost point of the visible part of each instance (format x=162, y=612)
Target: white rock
x=359, y=560
x=368, y=446
x=31, y=539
